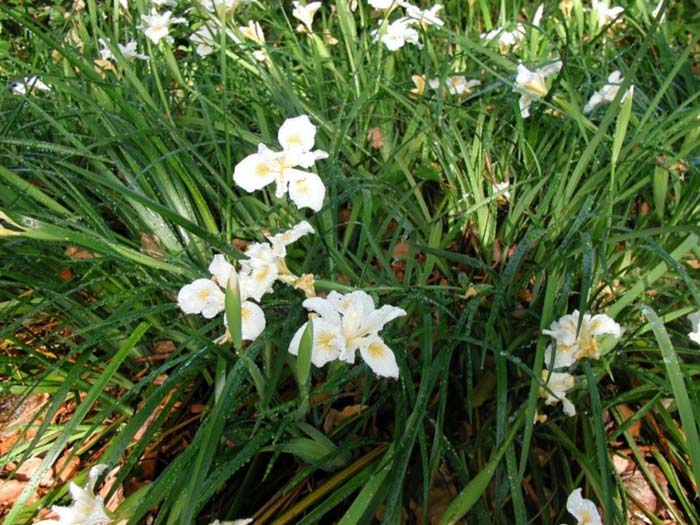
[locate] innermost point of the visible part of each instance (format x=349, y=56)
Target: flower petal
x=305, y=189
x=380, y=358
x=564, y=356
x=202, y=296
x=602, y=324
x=297, y=134
x=378, y=318
x=221, y=269
x=252, y=320
x=256, y=171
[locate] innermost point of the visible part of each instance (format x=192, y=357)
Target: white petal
x=280, y=241
x=201, y=296
x=595, y=101
x=325, y=308
x=694, y=335
x=382, y=316
x=256, y=171
x=568, y=407
x=259, y=280
x=380, y=358
x=296, y=339
x=551, y=69
x=358, y=301
x=328, y=343
x=584, y=510
x=538, y=16
x=95, y=472
x=305, y=189
x=252, y=320
x=524, y=104
x=602, y=324
x=221, y=270
x=564, y=356
x=297, y=134
x=564, y=330
x=309, y=158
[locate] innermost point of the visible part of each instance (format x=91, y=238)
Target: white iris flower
x=156, y=26
x=305, y=14
x=456, y=85
x=573, y=344
x=87, y=508
x=603, y=14
x=607, y=93
x=297, y=136
x=345, y=324
x=425, y=17
x=128, y=51
x=263, y=266
x=399, y=33
x=506, y=40
x=532, y=85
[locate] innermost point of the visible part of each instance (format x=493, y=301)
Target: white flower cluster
x=573, y=342
x=296, y=136
x=346, y=323
x=263, y=266
x=533, y=84
x=403, y=30
x=342, y=323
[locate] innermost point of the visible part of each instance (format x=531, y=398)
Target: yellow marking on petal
x=261, y=275
x=302, y=187
x=294, y=140
x=262, y=169
x=325, y=341
x=203, y=294
x=245, y=313
x=376, y=350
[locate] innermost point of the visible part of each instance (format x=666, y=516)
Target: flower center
x=325, y=341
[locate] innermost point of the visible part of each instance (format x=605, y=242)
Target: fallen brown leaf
x=376, y=138
x=26, y=471
x=336, y=417
x=75, y=252
x=151, y=245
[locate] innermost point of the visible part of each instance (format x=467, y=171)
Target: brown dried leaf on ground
x=438, y=500
x=26, y=471
x=75, y=252
x=376, y=138
x=67, y=466
x=118, y=497
x=151, y=245
x=336, y=417
x=16, y=414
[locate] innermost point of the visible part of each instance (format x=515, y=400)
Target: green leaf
x=233, y=311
